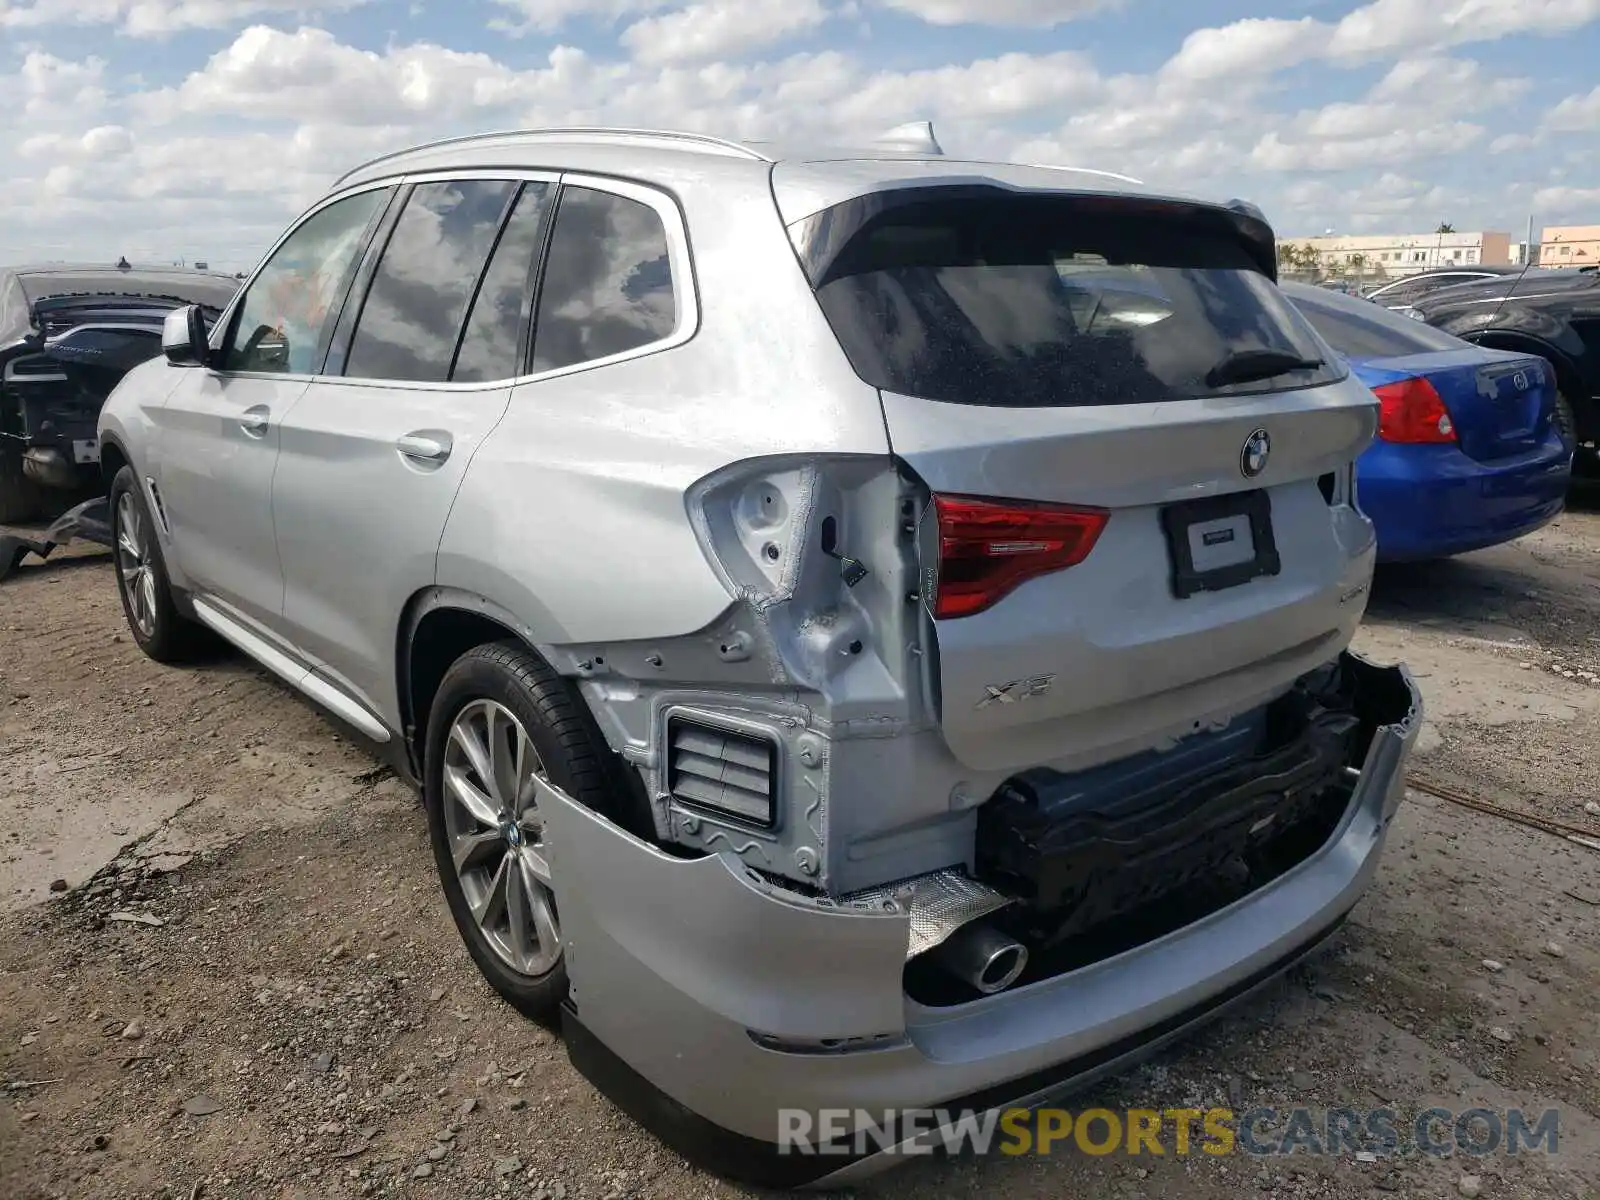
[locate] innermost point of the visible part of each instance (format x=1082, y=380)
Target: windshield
x=1363, y=330
x=1052, y=301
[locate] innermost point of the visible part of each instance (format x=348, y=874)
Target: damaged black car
x=68, y=334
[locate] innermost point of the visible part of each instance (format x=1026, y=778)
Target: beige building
x=1390, y=255
x=1569, y=246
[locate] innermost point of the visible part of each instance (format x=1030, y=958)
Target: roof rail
x=574, y=133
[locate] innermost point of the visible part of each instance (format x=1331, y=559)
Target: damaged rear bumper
x=704, y=998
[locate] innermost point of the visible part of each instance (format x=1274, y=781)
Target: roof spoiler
x=1255, y=227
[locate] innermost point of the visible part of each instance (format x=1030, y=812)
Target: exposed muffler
x=947, y=911
x=981, y=956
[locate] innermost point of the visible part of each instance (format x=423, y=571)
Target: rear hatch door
x=1133, y=360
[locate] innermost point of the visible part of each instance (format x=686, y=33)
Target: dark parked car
x=1554, y=314
x=68, y=334
x=1402, y=293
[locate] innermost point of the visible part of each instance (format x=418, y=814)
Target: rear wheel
x=19, y=496
x=1566, y=420
x=160, y=630
x=501, y=719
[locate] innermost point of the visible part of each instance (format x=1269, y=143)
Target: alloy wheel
x=134, y=567
x=496, y=835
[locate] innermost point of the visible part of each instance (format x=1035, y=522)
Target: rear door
x=374, y=451
x=1128, y=360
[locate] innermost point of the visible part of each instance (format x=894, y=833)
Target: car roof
x=805, y=178
x=1537, y=283
x=49, y=280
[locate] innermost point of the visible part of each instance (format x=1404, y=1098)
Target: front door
x=372, y=457
x=220, y=436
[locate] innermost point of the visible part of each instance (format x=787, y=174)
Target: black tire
x=1566, y=420
x=576, y=760
x=19, y=496
x=171, y=636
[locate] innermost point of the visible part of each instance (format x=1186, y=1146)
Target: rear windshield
x=1363, y=329
x=1046, y=301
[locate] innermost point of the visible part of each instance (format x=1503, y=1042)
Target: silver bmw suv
x=870, y=630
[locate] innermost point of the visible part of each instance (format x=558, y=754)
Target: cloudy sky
x=167, y=129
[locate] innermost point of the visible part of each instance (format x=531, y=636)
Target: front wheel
x=160, y=630
x=501, y=719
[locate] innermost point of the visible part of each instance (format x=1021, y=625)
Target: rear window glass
x=1047, y=301
x=1362, y=329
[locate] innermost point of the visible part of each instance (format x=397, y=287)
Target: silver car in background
x=870, y=629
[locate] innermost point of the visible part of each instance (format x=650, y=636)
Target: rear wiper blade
x=1247, y=366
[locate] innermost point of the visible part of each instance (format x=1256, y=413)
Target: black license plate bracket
x=1219, y=542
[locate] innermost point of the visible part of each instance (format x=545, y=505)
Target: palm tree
x=1445, y=227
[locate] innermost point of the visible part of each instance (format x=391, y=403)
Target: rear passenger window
x=411, y=321
x=608, y=285
x=492, y=346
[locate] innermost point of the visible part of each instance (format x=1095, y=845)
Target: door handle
x=254, y=421
x=424, y=447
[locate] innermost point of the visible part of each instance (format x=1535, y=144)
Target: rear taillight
x=1411, y=412
x=988, y=548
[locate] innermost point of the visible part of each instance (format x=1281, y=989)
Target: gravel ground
x=250, y=988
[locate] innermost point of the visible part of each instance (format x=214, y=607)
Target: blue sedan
x=1468, y=453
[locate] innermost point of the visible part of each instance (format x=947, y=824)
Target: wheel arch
x=113, y=457
x=438, y=626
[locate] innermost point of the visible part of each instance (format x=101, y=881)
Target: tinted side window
x=285, y=317
x=608, y=284
x=492, y=346
x=412, y=316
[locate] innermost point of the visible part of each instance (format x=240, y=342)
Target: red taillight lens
x=989, y=547
x=1410, y=411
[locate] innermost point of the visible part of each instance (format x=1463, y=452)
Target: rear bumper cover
x=704, y=999
x=1432, y=501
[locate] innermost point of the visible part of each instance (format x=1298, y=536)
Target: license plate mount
x=1219, y=542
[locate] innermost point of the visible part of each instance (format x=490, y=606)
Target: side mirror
x=184, y=337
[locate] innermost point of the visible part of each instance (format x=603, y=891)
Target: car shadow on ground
x=1487, y=593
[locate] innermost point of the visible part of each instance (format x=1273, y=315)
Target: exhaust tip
x=1002, y=969
x=982, y=957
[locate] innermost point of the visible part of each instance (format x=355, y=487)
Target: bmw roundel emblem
x=1253, y=458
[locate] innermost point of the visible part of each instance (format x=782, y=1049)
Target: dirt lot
x=251, y=988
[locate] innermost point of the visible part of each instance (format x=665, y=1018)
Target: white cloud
x=1257, y=46
x=1566, y=201
x=1511, y=143
x=720, y=27
x=547, y=16
x=1254, y=46
x=212, y=163
x=1575, y=114
x=267, y=74
x=1036, y=14
x=156, y=18
x=99, y=144
x=1408, y=26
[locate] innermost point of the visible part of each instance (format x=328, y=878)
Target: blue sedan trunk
x=1468, y=454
